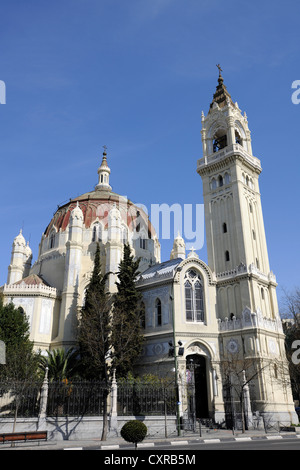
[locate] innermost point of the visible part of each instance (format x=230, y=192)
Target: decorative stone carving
x=232, y=346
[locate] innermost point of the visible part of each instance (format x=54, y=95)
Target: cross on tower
x=220, y=70
x=105, y=148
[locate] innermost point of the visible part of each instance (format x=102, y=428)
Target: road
x=259, y=444
x=272, y=443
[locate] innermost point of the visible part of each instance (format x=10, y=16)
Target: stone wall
x=76, y=428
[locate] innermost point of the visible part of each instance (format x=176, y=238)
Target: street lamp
x=172, y=353
x=192, y=369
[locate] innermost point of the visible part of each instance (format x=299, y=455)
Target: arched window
x=238, y=139
x=194, y=298
x=94, y=232
x=97, y=233
x=158, y=317
x=227, y=257
x=213, y=184
x=143, y=243
x=219, y=141
x=220, y=180
x=262, y=293
x=188, y=301
x=224, y=227
x=52, y=240
x=124, y=234
x=198, y=301
x=227, y=178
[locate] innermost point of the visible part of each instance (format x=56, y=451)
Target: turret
x=74, y=249
x=20, y=260
x=178, y=250
x=27, y=260
x=103, y=173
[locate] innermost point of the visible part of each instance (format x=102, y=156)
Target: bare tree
x=291, y=310
x=241, y=374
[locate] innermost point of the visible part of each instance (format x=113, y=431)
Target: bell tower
x=236, y=241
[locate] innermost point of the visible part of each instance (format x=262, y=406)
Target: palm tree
x=62, y=364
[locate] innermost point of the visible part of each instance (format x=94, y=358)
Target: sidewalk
x=118, y=443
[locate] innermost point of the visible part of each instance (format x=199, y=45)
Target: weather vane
x=219, y=67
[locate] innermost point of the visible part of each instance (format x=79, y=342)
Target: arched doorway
x=196, y=364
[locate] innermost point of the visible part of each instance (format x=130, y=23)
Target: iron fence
x=78, y=398
x=21, y=398
x=85, y=398
x=145, y=399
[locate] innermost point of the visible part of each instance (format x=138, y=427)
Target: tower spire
x=221, y=95
x=104, y=172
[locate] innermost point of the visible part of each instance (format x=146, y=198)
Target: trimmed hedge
x=134, y=431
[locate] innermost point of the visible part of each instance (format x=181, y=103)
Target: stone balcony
x=250, y=320
x=29, y=289
x=229, y=150
x=242, y=269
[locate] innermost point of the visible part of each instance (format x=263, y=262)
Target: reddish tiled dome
x=97, y=205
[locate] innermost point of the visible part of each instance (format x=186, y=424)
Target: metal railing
x=21, y=398
x=145, y=399
x=78, y=398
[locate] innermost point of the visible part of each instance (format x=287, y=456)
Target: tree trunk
x=105, y=420
x=242, y=410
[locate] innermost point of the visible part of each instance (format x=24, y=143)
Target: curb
x=199, y=441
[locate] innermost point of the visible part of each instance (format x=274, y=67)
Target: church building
x=197, y=314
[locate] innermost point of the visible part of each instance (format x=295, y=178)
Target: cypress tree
x=94, y=325
x=94, y=333
x=127, y=338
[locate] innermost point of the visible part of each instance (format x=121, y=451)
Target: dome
x=96, y=206
x=102, y=216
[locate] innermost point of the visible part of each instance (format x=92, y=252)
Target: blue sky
x=135, y=75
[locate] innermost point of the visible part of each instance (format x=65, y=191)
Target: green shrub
x=134, y=431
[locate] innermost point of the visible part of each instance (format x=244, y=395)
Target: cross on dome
x=220, y=70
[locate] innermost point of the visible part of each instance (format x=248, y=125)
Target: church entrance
x=197, y=385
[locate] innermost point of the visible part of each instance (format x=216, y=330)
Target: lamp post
x=192, y=369
x=2, y=353
x=173, y=349
x=173, y=352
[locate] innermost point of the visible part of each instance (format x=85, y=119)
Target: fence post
x=247, y=403
x=43, y=403
x=114, y=409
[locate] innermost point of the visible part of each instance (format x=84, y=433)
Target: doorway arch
x=196, y=363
